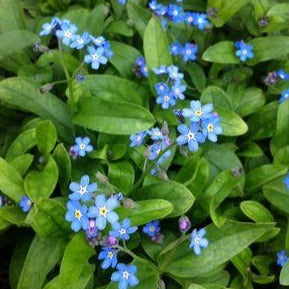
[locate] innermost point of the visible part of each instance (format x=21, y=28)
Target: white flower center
x=151, y=228
x=166, y=98
x=200, y=20
x=67, y=34
x=95, y=57
x=80, y=41
x=189, y=52
x=197, y=240
x=244, y=52
x=122, y=231
x=175, y=13
x=82, y=146
x=190, y=19
x=82, y=190
x=125, y=275
x=191, y=135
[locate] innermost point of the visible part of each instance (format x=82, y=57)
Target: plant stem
x=129, y=252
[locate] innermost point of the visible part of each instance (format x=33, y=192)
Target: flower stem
x=126, y=250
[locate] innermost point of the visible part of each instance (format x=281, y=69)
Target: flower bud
x=46, y=87
x=184, y=224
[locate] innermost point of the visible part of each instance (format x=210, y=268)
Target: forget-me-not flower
x=66, y=32
x=189, y=52
x=79, y=41
x=137, y=139
x=175, y=13
x=244, y=51
x=125, y=276
x=282, y=258
x=47, y=28
x=109, y=257
x=197, y=112
x=212, y=128
x=152, y=228
x=82, y=191
x=198, y=241
x=82, y=146
x=178, y=90
x=25, y=204
x=201, y=21
x=95, y=57
x=77, y=215
x=123, y=229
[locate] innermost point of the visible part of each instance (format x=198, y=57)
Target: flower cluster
x=244, y=51
x=204, y=123
x=282, y=258
x=171, y=88
x=98, y=48
x=81, y=147
x=140, y=68
x=188, y=52
x=157, y=145
x=175, y=13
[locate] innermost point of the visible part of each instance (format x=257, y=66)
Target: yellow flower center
x=198, y=112
x=110, y=255
x=103, y=211
x=78, y=214
x=210, y=127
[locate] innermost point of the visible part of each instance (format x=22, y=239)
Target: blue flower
x=286, y=181
x=144, y=70
x=191, y=136
x=244, y=50
x=284, y=95
x=157, y=8
x=166, y=100
x=156, y=134
x=1, y=201
x=95, y=57
x=137, y=139
x=166, y=155
x=82, y=146
x=175, y=13
x=122, y=2
x=82, y=191
x=109, y=257
x=48, y=28
x=198, y=241
x=174, y=73
x=125, y=276
x=198, y=112
x=211, y=128
x=79, y=41
x=189, y=52
x=77, y=215
x=178, y=89
x=161, y=70
x=108, y=53
x=141, y=65
x=98, y=41
x=176, y=48
x=152, y=228
x=201, y=21
x=25, y=204
x=282, y=74
x=190, y=17
x=66, y=32
x=122, y=230
x=91, y=231
x=103, y=211
x=282, y=258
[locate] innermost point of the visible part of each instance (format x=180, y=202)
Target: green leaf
x=278, y=17
x=113, y=117
x=139, y=16
x=156, y=46
x=22, y=163
x=46, y=136
x=197, y=75
x=120, y=27
x=250, y=150
x=284, y=275
x=12, y=214
x=278, y=195
x=124, y=57
x=222, y=52
x=269, y=47
x=116, y=89
x=11, y=183
x=217, y=97
x=23, y=143
x=256, y=212
x=63, y=161
x=24, y=94
x=176, y=193
x=42, y=256
x=121, y=175
x=146, y=211
x=49, y=218
x=225, y=243
x=41, y=184
x=74, y=262
x=260, y=176
x=15, y=41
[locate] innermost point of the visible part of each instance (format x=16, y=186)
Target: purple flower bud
x=212, y=12
x=271, y=78
x=129, y=203
x=73, y=153
x=112, y=241
x=263, y=22
x=159, y=238
x=184, y=224
x=80, y=77
x=101, y=178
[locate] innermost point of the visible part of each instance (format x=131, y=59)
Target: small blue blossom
x=166, y=100
x=244, y=51
x=201, y=21
x=152, y=228
x=103, y=211
x=79, y=41
x=48, y=28
x=157, y=8
x=176, y=48
x=166, y=155
x=108, y=53
x=190, y=17
x=125, y=276
x=156, y=134
x=212, y=128
x=189, y=52
x=284, y=95
x=109, y=257
x=197, y=112
x=141, y=67
x=161, y=70
x=95, y=57
x=25, y=204
x=122, y=230
x=82, y=146
x=174, y=73
x=82, y=191
x=66, y=32
x=198, y=241
x=178, y=90
x=137, y=139
x=98, y=41
x=122, y=2
x=91, y=231
x=282, y=74
x=175, y=13
x=77, y=215
x=79, y=77
x=286, y=181
x=161, y=88
x=154, y=150
x=191, y=136
x=282, y=258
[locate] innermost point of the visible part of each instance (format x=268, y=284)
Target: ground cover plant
x=144, y=144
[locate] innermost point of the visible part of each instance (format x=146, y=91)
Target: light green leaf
x=46, y=136
x=284, y=275
x=22, y=163
x=12, y=214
